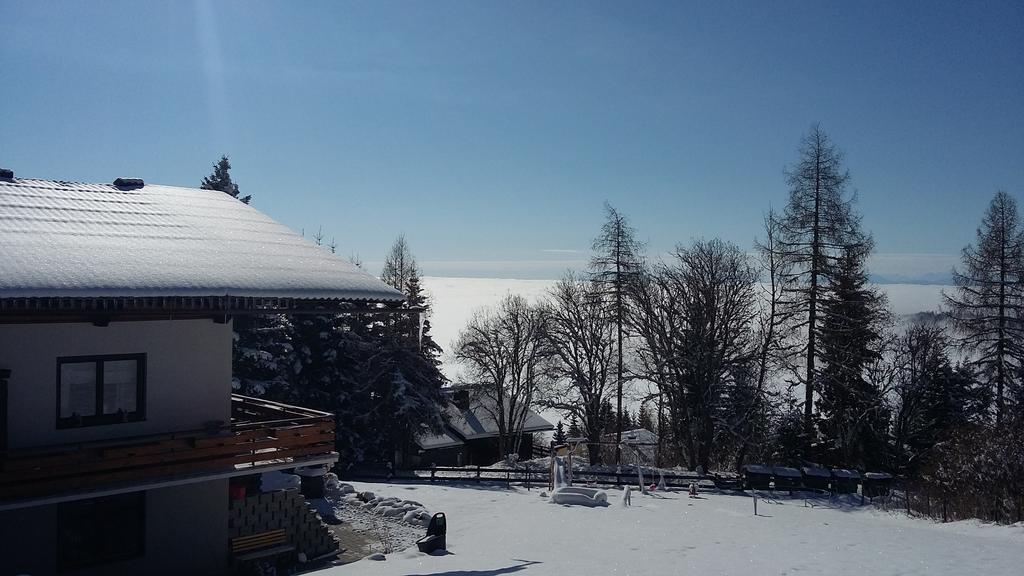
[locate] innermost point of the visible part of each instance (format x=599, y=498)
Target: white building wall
x=188, y=380
x=186, y=532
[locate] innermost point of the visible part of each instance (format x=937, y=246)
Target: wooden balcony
x=262, y=436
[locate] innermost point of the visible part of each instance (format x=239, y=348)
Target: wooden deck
x=262, y=434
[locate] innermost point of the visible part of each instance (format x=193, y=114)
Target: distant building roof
x=478, y=420
x=637, y=442
x=816, y=472
x=785, y=472
x=474, y=423
x=445, y=439
x=66, y=239
x=635, y=436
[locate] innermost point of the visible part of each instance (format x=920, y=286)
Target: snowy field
x=455, y=299
x=494, y=531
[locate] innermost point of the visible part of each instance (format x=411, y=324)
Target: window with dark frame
x=95, y=390
x=100, y=530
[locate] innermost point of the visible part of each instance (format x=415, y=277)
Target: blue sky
x=491, y=133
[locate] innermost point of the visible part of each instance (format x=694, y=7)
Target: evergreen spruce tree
x=559, y=436
x=221, y=180
x=417, y=298
x=817, y=227
x=627, y=419
x=988, y=305
x=401, y=272
x=609, y=420
x=933, y=398
x=643, y=418
x=853, y=416
x=262, y=347
x=382, y=392
x=574, y=428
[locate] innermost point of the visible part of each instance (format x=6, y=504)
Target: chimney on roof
x=6, y=174
x=129, y=183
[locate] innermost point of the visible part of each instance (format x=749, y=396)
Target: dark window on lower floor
x=100, y=530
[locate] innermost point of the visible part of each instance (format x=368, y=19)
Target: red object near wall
x=236, y=491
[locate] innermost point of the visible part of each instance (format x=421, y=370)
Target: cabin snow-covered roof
x=66, y=239
x=844, y=473
x=478, y=421
x=785, y=472
x=445, y=439
x=475, y=422
x=816, y=472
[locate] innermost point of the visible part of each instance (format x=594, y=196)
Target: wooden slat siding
x=28, y=469
x=194, y=447
x=247, y=450
x=255, y=541
x=120, y=477
x=28, y=473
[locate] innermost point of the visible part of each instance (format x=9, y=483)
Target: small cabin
x=470, y=436
x=816, y=478
x=757, y=477
x=876, y=484
x=787, y=478
x=845, y=481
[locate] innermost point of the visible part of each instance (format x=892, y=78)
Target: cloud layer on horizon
x=891, y=268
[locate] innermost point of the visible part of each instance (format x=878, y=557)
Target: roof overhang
x=128, y=308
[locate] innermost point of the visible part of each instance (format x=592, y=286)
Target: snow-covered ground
x=455, y=299
x=494, y=531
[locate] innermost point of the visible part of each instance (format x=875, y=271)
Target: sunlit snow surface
x=499, y=531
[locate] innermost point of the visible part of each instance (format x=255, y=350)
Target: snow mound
x=408, y=511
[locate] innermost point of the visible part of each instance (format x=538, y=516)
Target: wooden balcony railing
x=261, y=435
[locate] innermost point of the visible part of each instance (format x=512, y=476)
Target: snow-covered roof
x=878, y=476
x=66, y=239
x=635, y=436
x=478, y=422
x=757, y=469
x=842, y=473
x=817, y=472
x=786, y=472
x=435, y=441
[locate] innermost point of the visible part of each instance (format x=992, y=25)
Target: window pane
x=120, y=379
x=77, y=389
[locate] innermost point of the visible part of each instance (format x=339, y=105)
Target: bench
x=262, y=545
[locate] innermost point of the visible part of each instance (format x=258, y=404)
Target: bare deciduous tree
x=693, y=319
x=506, y=357
x=583, y=342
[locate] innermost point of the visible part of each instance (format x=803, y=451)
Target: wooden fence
x=532, y=477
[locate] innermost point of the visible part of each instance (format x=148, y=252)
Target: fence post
x=527, y=478
x=477, y=473
x=433, y=474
